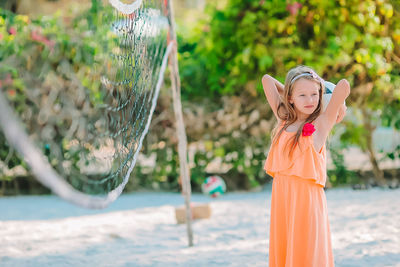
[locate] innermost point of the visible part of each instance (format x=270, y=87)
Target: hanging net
x=83, y=143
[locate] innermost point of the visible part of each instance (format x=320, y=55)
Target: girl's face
x=305, y=97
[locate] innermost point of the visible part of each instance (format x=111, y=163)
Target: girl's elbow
x=266, y=82
x=265, y=77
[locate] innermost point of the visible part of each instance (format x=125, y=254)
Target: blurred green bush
x=239, y=41
x=222, y=59
x=49, y=73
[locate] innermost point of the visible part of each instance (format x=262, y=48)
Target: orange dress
x=299, y=226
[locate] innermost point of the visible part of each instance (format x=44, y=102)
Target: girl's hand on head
x=336, y=109
x=339, y=95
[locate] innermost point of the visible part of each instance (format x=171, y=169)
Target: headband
x=311, y=74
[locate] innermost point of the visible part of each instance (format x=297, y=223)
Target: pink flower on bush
x=12, y=31
x=1, y=36
x=293, y=8
x=8, y=80
x=36, y=36
x=308, y=129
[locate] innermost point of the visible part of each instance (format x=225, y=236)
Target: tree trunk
x=11, y=5
x=378, y=173
x=16, y=186
x=3, y=187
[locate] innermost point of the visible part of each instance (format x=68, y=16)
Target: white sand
x=140, y=230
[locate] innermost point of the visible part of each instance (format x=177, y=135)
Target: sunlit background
x=225, y=47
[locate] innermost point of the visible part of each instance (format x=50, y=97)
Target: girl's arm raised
x=341, y=113
x=341, y=92
x=272, y=89
x=325, y=122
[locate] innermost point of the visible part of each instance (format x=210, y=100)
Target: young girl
x=299, y=226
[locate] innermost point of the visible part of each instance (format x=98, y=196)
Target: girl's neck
x=302, y=117
x=299, y=121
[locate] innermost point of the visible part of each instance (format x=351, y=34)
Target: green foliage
x=240, y=161
x=353, y=39
x=391, y=118
x=192, y=65
x=224, y=54
x=340, y=175
x=63, y=56
x=245, y=39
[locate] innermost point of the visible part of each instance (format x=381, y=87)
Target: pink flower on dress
x=308, y=129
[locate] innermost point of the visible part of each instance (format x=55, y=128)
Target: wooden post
x=180, y=127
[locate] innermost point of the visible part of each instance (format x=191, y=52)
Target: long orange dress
x=299, y=227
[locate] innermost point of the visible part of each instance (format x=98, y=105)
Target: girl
x=299, y=226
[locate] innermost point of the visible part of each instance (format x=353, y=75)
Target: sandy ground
x=140, y=230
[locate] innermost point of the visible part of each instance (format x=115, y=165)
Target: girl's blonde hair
x=286, y=111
